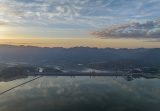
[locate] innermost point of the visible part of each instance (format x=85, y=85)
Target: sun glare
x=3, y=28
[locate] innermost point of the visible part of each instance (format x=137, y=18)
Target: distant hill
x=83, y=55
x=122, y=64
x=147, y=58
x=151, y=56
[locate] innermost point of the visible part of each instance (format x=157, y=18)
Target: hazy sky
x=94, y=23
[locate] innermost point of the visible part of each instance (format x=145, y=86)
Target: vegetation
x=17, y=71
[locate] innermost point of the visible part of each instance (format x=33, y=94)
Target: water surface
x=81, y=94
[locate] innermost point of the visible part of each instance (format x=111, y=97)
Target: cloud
x=59, y=13
x=148, y=29
x=3, y=23
x=84, y=14
x=10, y=10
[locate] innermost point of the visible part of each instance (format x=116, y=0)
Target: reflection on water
x=85, y=70
x=19, y=85
x=91, y=70
x=81, y=94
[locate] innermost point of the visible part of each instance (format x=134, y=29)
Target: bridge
x=74, y=74
x=86, y=74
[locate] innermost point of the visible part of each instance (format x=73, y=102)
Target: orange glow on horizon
x=86, y=42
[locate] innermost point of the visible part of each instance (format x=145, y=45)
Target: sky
x=69, y=23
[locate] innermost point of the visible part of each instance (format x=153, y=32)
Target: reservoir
x=80, y=93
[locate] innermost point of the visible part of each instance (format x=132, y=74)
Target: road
x=87, y=74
